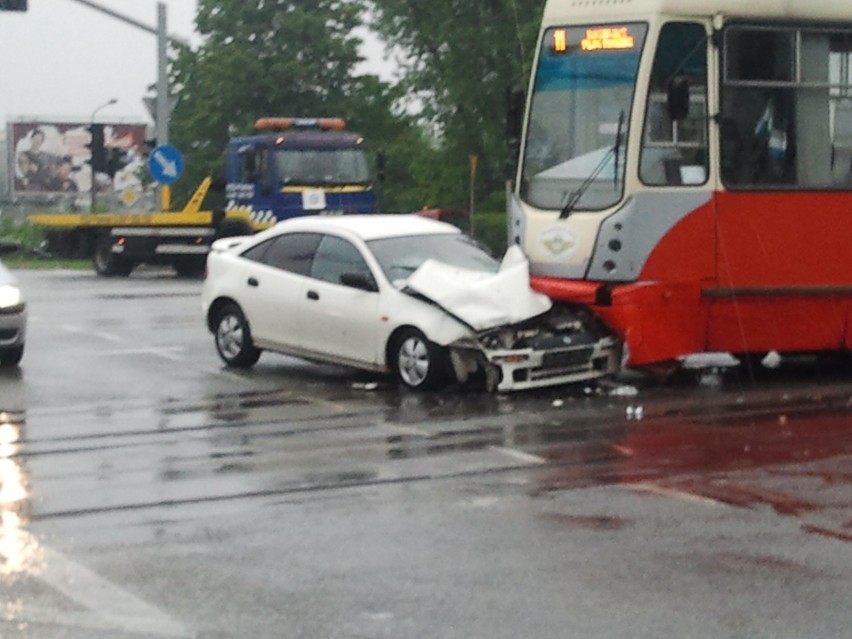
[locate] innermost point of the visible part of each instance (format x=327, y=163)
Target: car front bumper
x=522, y=369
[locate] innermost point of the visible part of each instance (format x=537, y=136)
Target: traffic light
x=116, y=160
x=13, y=5
x=98, y=158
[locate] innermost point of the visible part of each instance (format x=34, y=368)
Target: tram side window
x=786, y=108
x=674, y=152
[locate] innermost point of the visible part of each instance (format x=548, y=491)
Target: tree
x=460, y=58
x=261, y=58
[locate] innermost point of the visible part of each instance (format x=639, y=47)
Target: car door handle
x=313, y=295
x=253, y=282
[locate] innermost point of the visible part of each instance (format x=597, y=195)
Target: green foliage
x=28, y=235
x=31, y=238
x=489, y=229
x=300, y=58
x=462, y=58
x=260, y=58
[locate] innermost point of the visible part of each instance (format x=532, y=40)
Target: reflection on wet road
x=744, y=452
x=19, y=550
x=793, y=457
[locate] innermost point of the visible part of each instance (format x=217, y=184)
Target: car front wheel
x=417, y=362
x=233, y=338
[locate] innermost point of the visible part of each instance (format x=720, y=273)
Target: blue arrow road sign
x=165, y=164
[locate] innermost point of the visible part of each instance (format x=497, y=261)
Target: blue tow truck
x=289, y=167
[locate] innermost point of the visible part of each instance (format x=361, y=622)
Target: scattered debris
x=624, y=391
x=712, y=377
x=708, y=360
x=365, y=386
x=635, y=412
x=772, y=360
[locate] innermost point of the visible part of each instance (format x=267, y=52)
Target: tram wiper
x=612, y=152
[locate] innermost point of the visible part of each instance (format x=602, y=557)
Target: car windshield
x=399, y=257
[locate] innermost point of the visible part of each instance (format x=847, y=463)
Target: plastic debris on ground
x=365, y=385
x=708, y=360
x=771, y=360
x=635, y=412
x=624, y=390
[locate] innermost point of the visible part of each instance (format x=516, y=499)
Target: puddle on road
x=659, y=448
x=590, y=522
x=751, y=458
x=229, y=407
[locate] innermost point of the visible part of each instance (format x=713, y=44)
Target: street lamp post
x=94, y=187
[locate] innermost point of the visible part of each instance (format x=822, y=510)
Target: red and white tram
x=686, y=172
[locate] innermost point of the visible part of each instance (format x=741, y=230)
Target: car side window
x=336, y=256
x=256, y=252
x=293, y=252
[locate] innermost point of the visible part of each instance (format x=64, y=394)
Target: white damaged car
x=395, y=293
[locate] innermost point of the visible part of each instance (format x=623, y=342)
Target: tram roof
x=573, y=11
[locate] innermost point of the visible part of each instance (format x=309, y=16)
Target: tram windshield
x=579, y=115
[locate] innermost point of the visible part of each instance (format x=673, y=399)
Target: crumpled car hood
x=481, y=300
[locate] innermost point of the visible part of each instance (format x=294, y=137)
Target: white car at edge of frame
x=13, y=314
x=399, y=294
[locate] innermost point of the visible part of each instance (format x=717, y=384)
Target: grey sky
x=61, y=59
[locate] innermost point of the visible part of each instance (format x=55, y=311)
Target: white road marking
x=110, y=337
x=671, y=492
x=106, y=606
x=519, y=455
x=166, y=352
x=116, y=339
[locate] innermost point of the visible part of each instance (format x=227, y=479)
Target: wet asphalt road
x=147, y=492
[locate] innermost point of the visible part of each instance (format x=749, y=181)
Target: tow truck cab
x=297, y=166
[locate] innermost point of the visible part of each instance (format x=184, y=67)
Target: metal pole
x=162, y=77
x=115, y=14
x=93, y=189
x=163, y=106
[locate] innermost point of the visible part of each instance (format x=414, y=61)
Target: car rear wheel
x=190, y=267
x=233, y=338
x=107, y=263
x=418, y=363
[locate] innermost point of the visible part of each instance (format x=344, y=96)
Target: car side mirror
x=359, y=281
x=677, y=99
